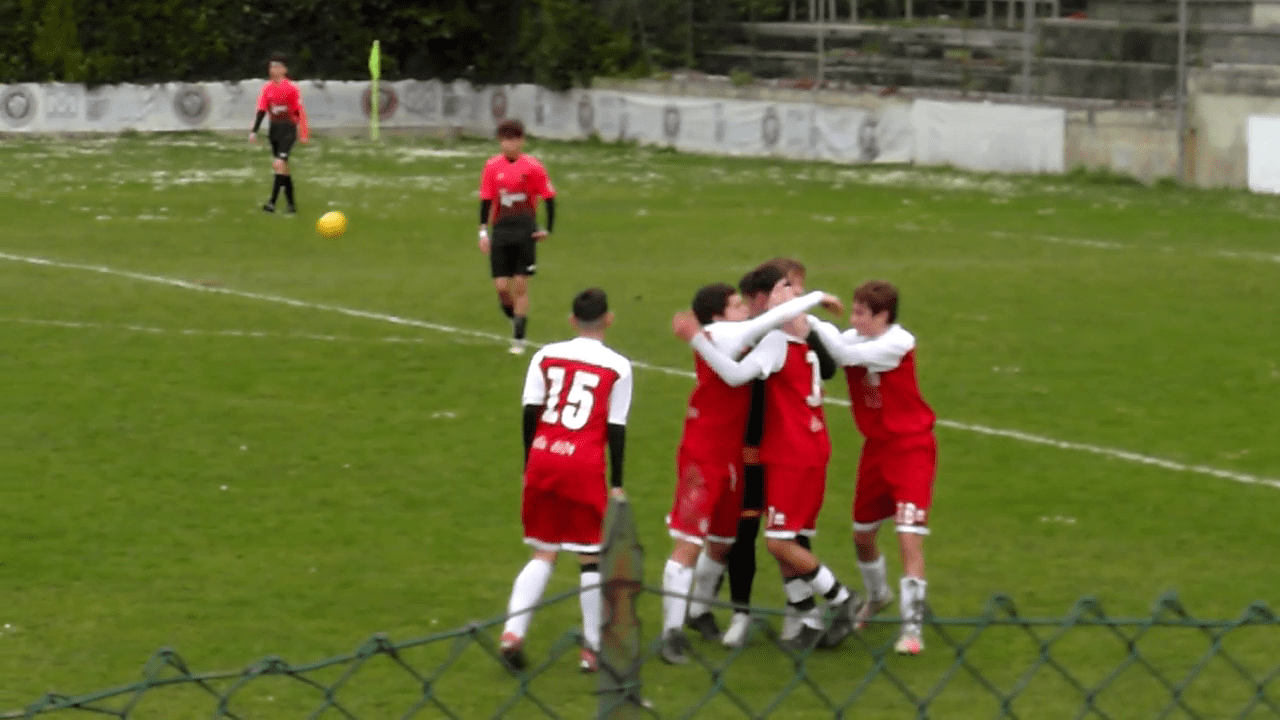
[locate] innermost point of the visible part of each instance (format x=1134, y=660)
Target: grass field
x=229, y=436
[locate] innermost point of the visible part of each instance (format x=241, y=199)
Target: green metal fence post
x=621, y=574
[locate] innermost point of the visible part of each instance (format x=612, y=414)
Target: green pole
x=375, y=98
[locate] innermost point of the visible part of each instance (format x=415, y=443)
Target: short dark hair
x=279, y=57
x=879, y=296
x=761, y=280
x=711, y=300
x=590, y=305
x=511, y=128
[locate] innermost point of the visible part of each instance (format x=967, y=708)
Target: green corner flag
x=375, y=98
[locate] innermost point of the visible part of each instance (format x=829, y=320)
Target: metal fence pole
x=822, y=42
x=688, y=50
x=622, y=577
x=1182, y=91
x=1029, y=13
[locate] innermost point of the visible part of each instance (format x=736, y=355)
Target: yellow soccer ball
x=331, y=224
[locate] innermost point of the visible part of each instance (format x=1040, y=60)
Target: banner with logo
x=969, y=135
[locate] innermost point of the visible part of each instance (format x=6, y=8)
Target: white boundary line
x=198, y=332
x=1113, y=453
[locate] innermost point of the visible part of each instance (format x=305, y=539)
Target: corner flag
x=375, y=97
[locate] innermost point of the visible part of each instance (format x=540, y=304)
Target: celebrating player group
x=760, y=361
x=755, y=445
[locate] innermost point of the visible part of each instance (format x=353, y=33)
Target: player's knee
x=519, y=286
x=864, y=539
x=503, y=286
x=279, y=166
x=778, y=547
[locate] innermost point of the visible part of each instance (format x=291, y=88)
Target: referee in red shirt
x=510, y=188
x=281, y=100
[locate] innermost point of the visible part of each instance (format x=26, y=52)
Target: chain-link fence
x=1168, y=664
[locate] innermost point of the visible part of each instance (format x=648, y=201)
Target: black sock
x=521, y=323
x=805, y=542
x=508, y=310
x=742, y=563
x=288, y=189
x=275, y=188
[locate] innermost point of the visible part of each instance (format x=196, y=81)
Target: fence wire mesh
x=1000, y=663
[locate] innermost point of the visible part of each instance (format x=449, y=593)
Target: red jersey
x=886, y=404
x=883, y=389
x=583, y=387
x=716, y=418
x=514, y=186
x=282, y=103
x=795, y=426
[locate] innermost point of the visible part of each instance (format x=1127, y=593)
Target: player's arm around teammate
x=795, y=450
x=898, y=462
x=511, y=186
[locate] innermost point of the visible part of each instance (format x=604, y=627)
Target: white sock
x=912, y=603
x=676, y=582
x=706, y=575
x=525, y=594
x=824, y=583
x=589, y=598
x=800, y=600
x=875, y=578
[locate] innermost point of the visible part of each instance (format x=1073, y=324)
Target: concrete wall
x=1141, y=143
x=1138, y=143
x=1223, y=100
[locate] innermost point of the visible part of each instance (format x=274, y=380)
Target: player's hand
x=483, y=242
x=541, y=235
x=253, y=137
x=618, y=494
x=685, y=325
x=304, y=140
x=832, y=304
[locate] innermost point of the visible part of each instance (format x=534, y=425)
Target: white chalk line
x=1252, y=256
x=1113, y=453
x=198, y=332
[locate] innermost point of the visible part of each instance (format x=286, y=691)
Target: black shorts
x=513, y=250
x=282, y=135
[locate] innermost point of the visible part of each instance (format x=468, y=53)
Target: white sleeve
x=880, y=354
x=735, y=337
x=765, y=359
x=535, y=385
x=620, y=396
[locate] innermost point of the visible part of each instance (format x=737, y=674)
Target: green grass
x=288, y=479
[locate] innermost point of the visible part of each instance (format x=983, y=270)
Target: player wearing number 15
x=577, y=395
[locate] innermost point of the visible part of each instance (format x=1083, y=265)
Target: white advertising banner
x=1263, y=151
x=968, y=135
x=984, y=136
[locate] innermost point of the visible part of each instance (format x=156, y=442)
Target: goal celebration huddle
x=754, y=450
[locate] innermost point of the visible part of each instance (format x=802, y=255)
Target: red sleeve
x=299, y=114
x=545, y=188
x=262, y=97
x=488, y=183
